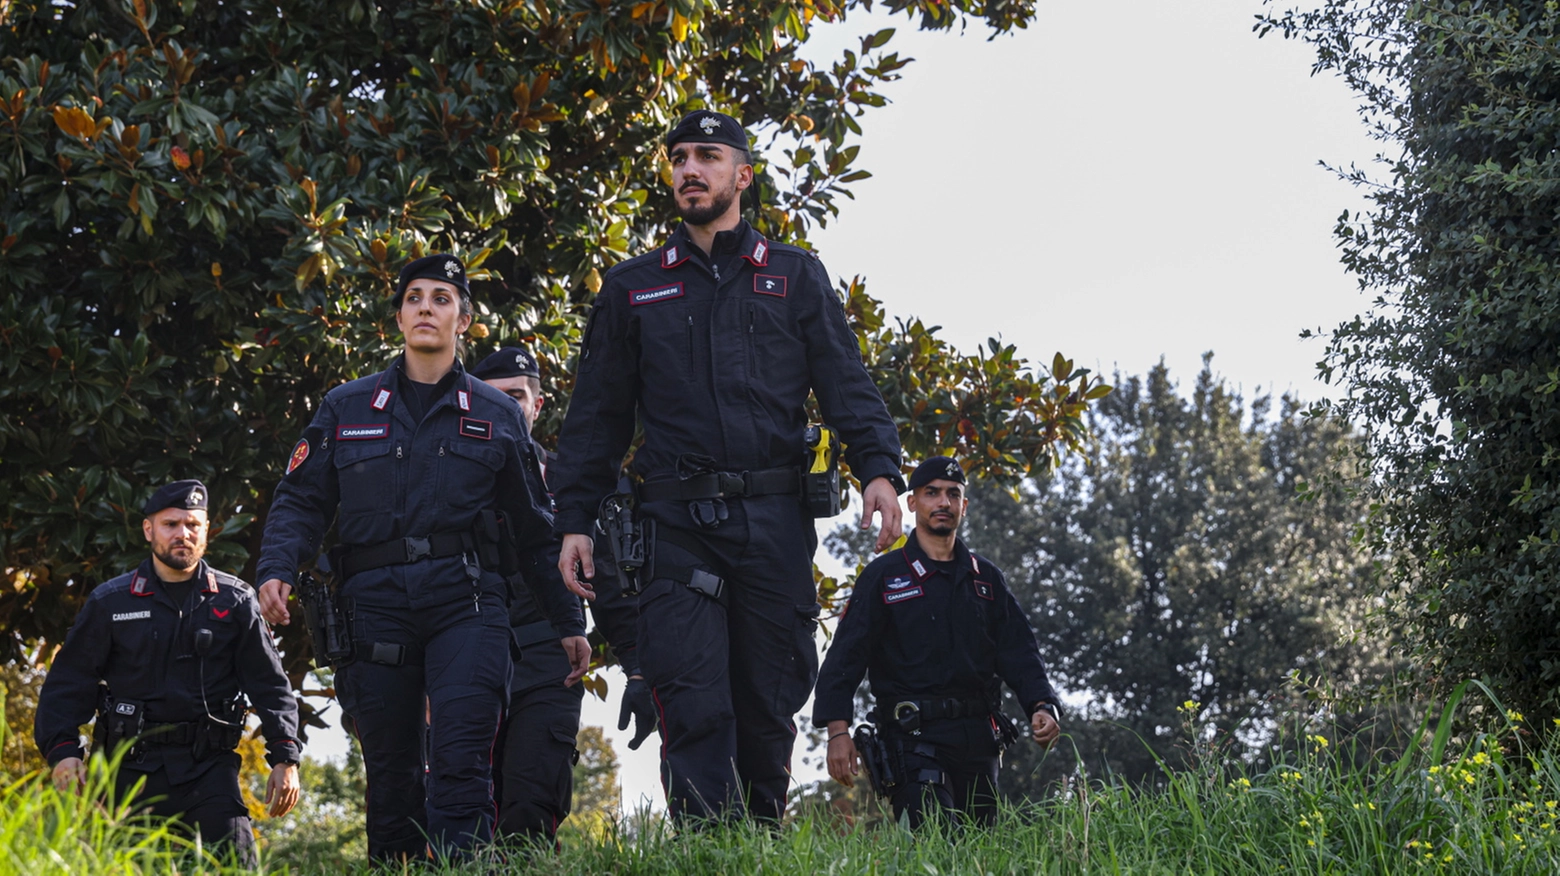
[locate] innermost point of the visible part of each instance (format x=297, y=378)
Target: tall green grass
x=1471, y=804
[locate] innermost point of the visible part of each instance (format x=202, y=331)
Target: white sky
x=1124, y=180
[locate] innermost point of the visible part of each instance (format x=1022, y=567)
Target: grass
x=1482, y=803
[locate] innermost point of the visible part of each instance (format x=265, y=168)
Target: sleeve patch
x=300, y=452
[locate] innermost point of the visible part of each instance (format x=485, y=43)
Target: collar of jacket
x=744, y=239
x=921, y=566
x=146, y=574
x=454, y=389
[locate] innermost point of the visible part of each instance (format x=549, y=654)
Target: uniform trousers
x=950, y=767
x=533, y=775
x=209, y=803
x=455, y=671
x=729, y=675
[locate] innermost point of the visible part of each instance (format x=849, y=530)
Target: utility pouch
x=821, y=472
x=329, y=625
x=120, y=721
x=629, y=538
x=875, y=758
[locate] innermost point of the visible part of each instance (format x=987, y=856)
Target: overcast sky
x=1123, y=181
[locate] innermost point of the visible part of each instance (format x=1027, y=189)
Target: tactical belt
x=909, y=713
x=400, y=551
x=723, y=485
x=182, y=733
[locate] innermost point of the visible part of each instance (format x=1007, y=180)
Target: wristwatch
x=1050, y=708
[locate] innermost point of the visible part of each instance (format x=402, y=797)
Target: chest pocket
x=364, y=476
x=668, y=339
x=218, y=615
x=776, y=350
x=468, y=472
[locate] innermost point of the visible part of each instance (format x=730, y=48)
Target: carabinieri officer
x=533, y=771
x=424, y=469
x=936, y=630
x=166, y=656
x=714, y=342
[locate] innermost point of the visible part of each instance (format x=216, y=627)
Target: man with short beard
x=179, y=646
x=712, y=343
x=937, y=632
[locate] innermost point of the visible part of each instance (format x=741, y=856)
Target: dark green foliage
x=203, y=207
x=1452, y=373
x=1184, y=560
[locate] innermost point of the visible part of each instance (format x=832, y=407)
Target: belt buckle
x=418, y=549
x=908, y=715
x=729, y=483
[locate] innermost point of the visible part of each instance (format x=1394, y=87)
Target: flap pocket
x=348, y=454
x=486, y=454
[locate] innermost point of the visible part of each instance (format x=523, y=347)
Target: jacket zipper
x=689, y=363
x=752, y=340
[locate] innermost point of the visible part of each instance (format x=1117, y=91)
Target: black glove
x=637, y=702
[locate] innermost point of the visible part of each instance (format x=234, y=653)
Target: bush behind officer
x=533, y=773
x=714, y=342
x=424, y=469
x=167, y=653
x=936, y=630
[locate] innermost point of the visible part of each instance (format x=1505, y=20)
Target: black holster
x=495, y=540
x=878, y=761
x=330, y=624
x=630, y=538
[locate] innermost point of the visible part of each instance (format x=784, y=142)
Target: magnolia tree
x=203, y=207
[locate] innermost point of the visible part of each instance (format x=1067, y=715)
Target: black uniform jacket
x=366, y=461
x=543, y=661
x=717, y=356
x=132, y=635
x=918, y=635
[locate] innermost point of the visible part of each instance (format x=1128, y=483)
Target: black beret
x=189, y=495
x=708, y=126
x=507, y=362
x=938, y=468
x=440, y=266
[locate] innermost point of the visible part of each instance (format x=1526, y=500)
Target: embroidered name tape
x=659, y=293
x=363, y=433
x=131, y=615
x=765, y=284
x=891, y=597
x=476, y=428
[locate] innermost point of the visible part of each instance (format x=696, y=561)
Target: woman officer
x=413, y=462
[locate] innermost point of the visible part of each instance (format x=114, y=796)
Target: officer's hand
x=879, y=498
x=273, y=601
x=574, y=556
x=70, y=774
x=1044, y=728
x=638, y=702
x=282, y=789
x=578, y=649
x=844, y=762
